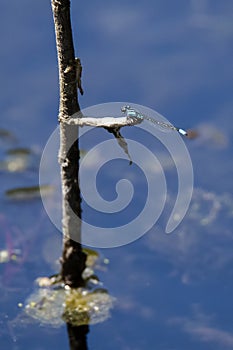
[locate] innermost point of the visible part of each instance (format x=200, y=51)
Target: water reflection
x=201, y=326
x=201, y=245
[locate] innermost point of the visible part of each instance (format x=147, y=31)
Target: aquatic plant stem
x=73, y=259
x=77, y=341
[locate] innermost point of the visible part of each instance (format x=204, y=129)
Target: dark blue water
x=173, y=292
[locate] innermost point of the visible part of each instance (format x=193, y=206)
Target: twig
x=73, y=259
x=105, y=122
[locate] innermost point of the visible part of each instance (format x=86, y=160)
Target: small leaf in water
x=7, y=135
x=19, y=151
x=92, y=256
x=24, y=193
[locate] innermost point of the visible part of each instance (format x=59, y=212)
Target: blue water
x=173, y=292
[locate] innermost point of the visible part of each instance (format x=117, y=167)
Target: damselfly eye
x=125, y=108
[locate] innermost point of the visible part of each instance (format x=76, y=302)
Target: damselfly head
x=125, y=108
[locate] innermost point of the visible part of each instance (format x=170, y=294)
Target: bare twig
x=105, y=122
x=73, y=259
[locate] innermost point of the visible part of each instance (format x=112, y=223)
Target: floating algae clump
x=54, y=303
x=83, y=307
x=75, y=306
x=46, y=306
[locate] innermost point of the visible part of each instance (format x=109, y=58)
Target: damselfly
x=132, y=114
